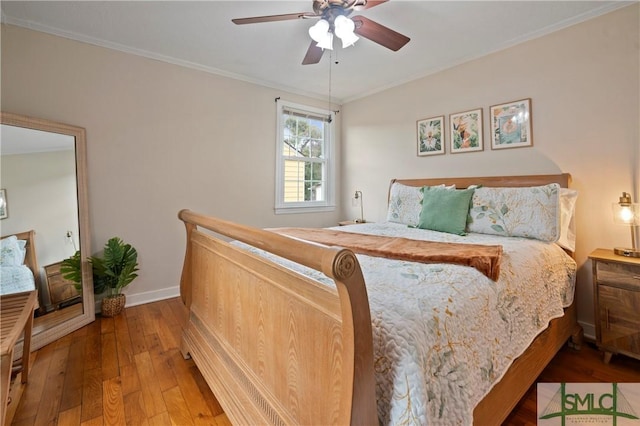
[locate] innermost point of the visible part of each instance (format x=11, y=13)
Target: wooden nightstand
x=60, y=289
x=616, y=290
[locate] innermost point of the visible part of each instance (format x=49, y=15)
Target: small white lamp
x=627, y=213
x=359, y=196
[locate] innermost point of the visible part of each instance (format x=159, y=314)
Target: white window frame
x=304, y=206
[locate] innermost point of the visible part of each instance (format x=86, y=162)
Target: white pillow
x=12, y=251
x=567, y=238
x=530, y=212
x=405, y=203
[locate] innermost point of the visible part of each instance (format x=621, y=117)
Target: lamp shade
x=318, y=32
x=344, y=28
x=625, y=212
x=326, y=42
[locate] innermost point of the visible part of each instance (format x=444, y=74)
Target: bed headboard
x=564, y=179
x=30, y=259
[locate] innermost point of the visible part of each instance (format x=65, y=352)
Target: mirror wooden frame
x=47, y=330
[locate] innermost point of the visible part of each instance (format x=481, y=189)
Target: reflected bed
x=18, y=263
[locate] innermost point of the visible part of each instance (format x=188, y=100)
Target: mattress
x=444, y=334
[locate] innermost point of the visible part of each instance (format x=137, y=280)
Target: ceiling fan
x=331, y=11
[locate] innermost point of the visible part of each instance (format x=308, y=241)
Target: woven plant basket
x=113, y=305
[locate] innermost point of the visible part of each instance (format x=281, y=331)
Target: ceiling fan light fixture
x=326, y=42
x=318, y=32
x=344, y=29
x=349, y=40
x=333, y=18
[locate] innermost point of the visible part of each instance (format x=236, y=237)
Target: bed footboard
x=274, y=346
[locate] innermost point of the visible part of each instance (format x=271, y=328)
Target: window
x=304, y=167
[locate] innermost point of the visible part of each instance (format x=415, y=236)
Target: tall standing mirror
x=43, y=180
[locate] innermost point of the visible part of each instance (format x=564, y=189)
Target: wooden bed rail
x=338, y=264
x=231, y=302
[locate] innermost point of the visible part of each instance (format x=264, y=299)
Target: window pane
x=304, y=181
x=293, y=181
x=304, y=136
x=305, y=150
x=316, y=148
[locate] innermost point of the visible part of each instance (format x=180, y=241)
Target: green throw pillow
x=445, y=210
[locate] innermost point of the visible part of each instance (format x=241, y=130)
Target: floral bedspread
x=443, y=334
x=16, y=279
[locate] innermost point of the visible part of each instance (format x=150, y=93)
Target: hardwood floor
x=571, y=366
x=117, y=371
x=129, y=370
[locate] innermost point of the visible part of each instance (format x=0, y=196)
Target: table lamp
x=359, y=196
x=627, y=213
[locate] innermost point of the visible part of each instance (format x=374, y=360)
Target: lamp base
x=626, y=252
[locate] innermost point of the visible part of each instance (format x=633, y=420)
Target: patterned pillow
x=530, y=212
x=405, y=203
x=12, y=252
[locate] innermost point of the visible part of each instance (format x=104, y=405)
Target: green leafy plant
x=114, y=269
x=71, y=269
x=117, y=267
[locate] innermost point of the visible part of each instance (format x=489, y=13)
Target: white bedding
x=443, y=334
x=16, y=279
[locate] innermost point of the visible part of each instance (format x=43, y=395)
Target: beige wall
x=160, y=138
x=41, y=195
x=584, y=86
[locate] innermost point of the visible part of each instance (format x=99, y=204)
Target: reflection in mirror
x=39, y=168
x=43, y=175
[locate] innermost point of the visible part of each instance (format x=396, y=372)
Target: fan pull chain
x=330, y=105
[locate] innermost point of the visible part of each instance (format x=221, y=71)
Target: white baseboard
x=589, y=330
x=142, y=298
x=152, y=296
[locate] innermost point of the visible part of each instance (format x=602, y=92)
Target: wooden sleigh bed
x=277, y=347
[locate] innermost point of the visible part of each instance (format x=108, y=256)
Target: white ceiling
x=200, y=34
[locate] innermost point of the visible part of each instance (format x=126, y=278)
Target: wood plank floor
x=128, y=370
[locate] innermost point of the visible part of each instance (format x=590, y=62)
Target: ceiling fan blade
x=272, y=18
x=314, y=54
x=379, y=33
x=369, y=4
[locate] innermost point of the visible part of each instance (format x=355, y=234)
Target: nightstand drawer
x=618, y=275
x=60, y=289
x=616, y=291
x=619, y=320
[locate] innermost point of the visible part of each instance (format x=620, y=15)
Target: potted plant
x=71, y=269
x=115, y=269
